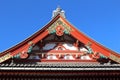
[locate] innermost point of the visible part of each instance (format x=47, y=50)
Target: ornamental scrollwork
x=52, y=28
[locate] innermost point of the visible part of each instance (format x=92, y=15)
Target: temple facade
x=59, y=51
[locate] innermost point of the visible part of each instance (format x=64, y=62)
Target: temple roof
x=58, y=20
x=60, y=66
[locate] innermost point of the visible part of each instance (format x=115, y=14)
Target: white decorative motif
x=68, y=57
x=52, y=57
x=69, y=46
x=82, y=49
x=49, y=46
x=58, y=11
x=85, y=57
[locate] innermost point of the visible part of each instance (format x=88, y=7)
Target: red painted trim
x=61, y=51
x=94, y=46
x=61, y=60
x=26, y=46
x=40, y=37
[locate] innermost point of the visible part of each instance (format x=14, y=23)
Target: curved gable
x=60, y=26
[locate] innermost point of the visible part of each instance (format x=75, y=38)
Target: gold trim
x=52, y=28
x=115, y=58
x=5, y=57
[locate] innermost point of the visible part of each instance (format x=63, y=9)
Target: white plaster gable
x=69, y=46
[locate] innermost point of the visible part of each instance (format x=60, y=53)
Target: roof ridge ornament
x=58, y=11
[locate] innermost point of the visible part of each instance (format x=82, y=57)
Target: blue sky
x=99, y=19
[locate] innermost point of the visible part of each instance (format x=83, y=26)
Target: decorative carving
x=59, y=30
x=76, y=43
x=23, y=55
x=52, y=28
x=60, y=47
x=95, y=55
x=60, y=56
x=88, y=46
x=30, y=49
x=17, y=56
x=76, y=56
x=102, y=56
